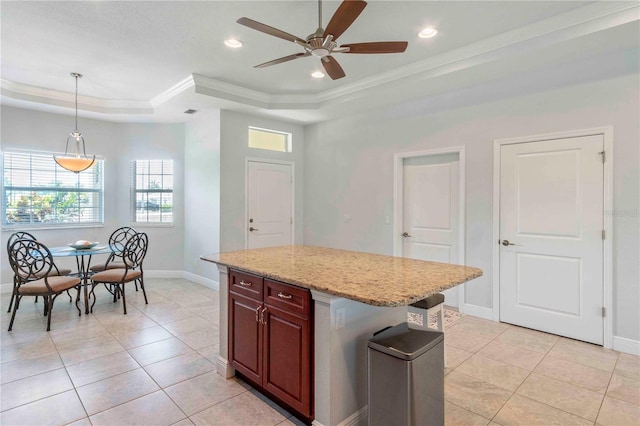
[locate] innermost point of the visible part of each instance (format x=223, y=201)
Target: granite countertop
x=368, y=278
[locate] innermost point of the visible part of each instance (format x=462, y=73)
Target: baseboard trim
x=360, y=417
x=629, y=346
x=477, y=311
x=199, y=279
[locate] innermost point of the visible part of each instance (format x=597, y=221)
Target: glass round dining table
x=83, y=261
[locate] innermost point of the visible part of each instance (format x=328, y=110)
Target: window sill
x=16, y=228
x=151, y=225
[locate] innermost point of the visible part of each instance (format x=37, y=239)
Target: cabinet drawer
x=246, y=284
x=291, y=299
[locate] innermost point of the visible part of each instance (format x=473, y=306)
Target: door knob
x=253, y=229
x=507, y=243
x=406, y=235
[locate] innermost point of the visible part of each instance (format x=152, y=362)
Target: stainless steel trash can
x=406, y=377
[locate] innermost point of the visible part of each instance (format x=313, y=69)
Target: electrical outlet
x=340, y=318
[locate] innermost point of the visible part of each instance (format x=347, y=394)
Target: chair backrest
x=30, y=258
x=20, y=235
x=119, y=238
x=135, y=250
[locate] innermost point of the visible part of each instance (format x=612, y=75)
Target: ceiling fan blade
x=283, y=59
x=258, y=26
x=347, y=12
x=377, y=47
x=332, y=67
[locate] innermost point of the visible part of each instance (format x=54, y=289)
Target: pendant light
x=79, y=161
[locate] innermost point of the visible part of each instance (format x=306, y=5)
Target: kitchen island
x=354, y=294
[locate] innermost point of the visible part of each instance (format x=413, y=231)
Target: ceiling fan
x=322, y=43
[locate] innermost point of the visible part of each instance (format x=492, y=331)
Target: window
x=38, y=192
x=269, y=139
x=153, y=191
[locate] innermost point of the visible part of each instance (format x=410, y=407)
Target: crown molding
x=174, y=90
x=592, y=18
x=67, y=100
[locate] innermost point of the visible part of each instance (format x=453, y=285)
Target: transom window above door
x=272, y=140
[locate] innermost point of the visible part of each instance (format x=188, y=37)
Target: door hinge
x=604, y=155
x=604, y=312
x=604, y=234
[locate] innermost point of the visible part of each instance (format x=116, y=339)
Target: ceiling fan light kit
x=322, y=43
x=79, y=161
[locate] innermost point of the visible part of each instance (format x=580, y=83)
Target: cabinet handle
x=257, y=313
x=247, y=284
x=281, y=295
x=262, y=320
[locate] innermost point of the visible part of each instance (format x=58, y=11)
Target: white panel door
x=430, y=212
x=551, y=214
x=269, y=205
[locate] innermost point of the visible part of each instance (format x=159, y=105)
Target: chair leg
x=78, y=300
x=36, y=300
x=46, y=305
x=15, y=308
x=50, y=300
x=124, y=300
x=13, y=293
x=146, y=302
x=93, y=294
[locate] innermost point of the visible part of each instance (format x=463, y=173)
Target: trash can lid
x=405, y=343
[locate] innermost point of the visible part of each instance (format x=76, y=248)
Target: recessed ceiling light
x=232, y=42
x=428, y=32
x=317, y=74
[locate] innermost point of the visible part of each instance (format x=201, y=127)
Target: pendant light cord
x=76, y=76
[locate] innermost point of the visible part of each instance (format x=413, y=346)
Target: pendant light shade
x=78, y=161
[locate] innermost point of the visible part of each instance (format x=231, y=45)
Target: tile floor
x=155, y=366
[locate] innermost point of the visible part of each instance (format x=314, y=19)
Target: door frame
x=607, y=134
x=248, y=160
x=398, y=210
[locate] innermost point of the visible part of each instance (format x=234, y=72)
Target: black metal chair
x=133, y=255
x=117, y=241
x=22, y=235
x=32, y=262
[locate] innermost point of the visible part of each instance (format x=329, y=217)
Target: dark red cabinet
x=270, y=338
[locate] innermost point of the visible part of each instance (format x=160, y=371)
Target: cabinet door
x=245, y=336
x=287, y=358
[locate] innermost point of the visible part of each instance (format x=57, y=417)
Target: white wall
x=202, y=194
x=233, y=154
x=349, y=170
x=118, y=144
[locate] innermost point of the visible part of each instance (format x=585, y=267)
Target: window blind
x=38, y=192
